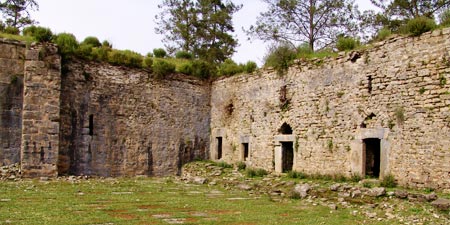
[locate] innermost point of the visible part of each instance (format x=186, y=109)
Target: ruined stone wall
x=12, y=58
x=41, y=111
x=121, y=122
x=396, y=92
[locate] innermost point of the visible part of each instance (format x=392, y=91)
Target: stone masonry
x=373, y=112
x=382, y=110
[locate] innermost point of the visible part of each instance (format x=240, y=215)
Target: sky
x=131, y=24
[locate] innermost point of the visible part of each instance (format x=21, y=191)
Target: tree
x=317, y=22
x=201, y=27
x=16, y=12
x=409, y=9
x=177, y=23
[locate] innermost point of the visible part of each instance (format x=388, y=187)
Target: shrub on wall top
x=159, y=53
x=67, y=43
x=418, y=26
x=93, y=41
x=40, y=34
x=346, y=43
x=183, y=55
x=162, y=68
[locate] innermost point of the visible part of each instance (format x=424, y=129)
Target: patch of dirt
x=149, y=206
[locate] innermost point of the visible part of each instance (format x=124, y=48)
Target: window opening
x=219, y=147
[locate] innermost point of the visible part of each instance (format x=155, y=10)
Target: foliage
x=198, y=68
x=27, y=39
x=418, y=26
x=251, y=172
x=229, y=67
x=355, y=177
x=148, y=62
x=12, y=30
x=442, y=80
x=224, y=165
x=315, y=22
x=40, y=34
x=159, y=53
x=93, y=41
x=395, y=14
x=85, y=51
x=183, y=55
x=444, y=18
x=383, y=34
x=202, y=27
x=125, y=58
x=17, y=12
x=250, y=67
x=388, y=181
x=346, y=43
x=409, y=9
x=400, y=115
x=241, y=166
x=296, y=175
x=280, y=57
x=67, y=44
x=100, y=53
x=162, y=68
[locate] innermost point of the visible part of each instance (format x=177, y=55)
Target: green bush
x=183, y=55
x=346, y=43
x=383, y=34
x=159, y=53
x=148, y=62
x=296, y=175
x=107, y=44
x=186, y=68
x=2, y=26
x=356, y=177
x=12, y=30
x=224, y=165
x=100, y=54
x=40, y=34
x=444, y=18
x=280, y=57
x=241, y=166
x=388, y=181
x=229, y=67
x=250, y=172
x=125, y=58
x=93, y=41
x=304, y=51
x=67, y=43
x=198, y=68
x=418, y=26
x=162, y=68
x=250, y=67
x=84, y=51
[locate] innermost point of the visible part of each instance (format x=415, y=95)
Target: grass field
x=153, y=201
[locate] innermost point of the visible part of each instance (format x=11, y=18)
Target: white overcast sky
x=131, y=24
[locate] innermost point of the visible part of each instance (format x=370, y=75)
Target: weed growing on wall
x=400, y=115
x=442, y=80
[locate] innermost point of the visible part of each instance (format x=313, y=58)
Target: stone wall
x=12, y=58
x=41, y=111
x=395, y=93
x=121, y=122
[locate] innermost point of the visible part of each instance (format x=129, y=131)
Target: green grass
x=27, y=39
x=151, y=201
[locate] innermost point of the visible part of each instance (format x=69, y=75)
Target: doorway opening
x=372, y=157
x=287, y=156
x=245, y=151
x=219, y=148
